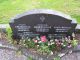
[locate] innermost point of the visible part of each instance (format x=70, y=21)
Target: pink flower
x=69, y=46
x=35, y=41
x=43, y=38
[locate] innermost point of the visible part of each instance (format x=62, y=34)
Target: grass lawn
x=9, y=8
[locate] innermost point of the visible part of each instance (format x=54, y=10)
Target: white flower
x=28, y=39
x=64, y=45
x=49, y=43
x=52, y=43
x=61, y=43
x=51, y=53
x=40, y=42
x=37, y=45
x=51, y=40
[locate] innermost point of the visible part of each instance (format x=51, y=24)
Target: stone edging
x=8, y=47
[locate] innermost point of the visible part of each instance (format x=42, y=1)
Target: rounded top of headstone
x=44, y=11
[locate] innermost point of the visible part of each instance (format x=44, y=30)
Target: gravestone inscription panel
x=40, y=22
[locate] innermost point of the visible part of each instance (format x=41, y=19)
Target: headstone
x=42, y=22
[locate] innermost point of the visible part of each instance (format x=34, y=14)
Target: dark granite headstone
x=42, y=22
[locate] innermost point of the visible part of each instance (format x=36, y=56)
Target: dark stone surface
x=40, y=22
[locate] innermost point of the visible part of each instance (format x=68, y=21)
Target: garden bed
x=42, y=48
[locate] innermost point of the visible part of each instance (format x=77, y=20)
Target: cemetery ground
x=38, y=47
x=32, y=49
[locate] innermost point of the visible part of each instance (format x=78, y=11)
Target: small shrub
x=44, y=49
x=30, y=43
x=74, y=42
x=29, y=58
x=9, y=34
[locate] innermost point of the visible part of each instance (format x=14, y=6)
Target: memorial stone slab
x=42, y=22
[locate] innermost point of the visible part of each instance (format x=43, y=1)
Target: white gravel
x=73, y=56
x=6, y=54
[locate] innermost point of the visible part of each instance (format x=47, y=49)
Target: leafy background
x=9, y=8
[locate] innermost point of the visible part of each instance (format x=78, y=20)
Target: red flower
x=43, y=38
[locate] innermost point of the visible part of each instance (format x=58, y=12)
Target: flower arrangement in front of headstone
x=49, y=47
x=42, y=45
